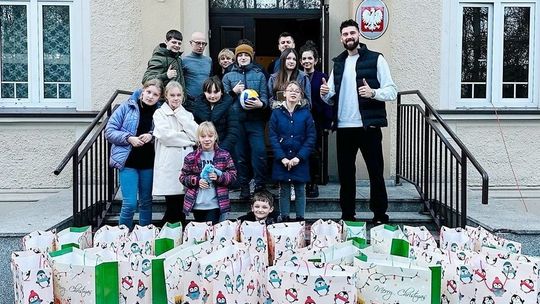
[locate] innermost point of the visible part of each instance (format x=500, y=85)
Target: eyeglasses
x=200, y=43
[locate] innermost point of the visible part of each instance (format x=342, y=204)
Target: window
x=497, y=65
x=40, y=61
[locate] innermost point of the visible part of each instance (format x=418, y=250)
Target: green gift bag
x=169, y=236
x=81, y=278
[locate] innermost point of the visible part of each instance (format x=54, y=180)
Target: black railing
x=433, y=158
x=94, y=183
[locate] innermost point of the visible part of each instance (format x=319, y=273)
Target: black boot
x=312, y=190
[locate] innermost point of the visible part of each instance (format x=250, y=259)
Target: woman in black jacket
x=215, y=106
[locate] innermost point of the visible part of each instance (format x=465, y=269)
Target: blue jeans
x=285, y=198
x=135, y=182
x=251, y=153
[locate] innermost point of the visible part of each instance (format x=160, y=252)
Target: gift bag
x=308, y=283
x=196, y=232
x=169, y=236
x=225, y=232
x=40, y=241
x=135, y=274
x=455, y=239
x=111, y=236
x=255, y=236
x=342, y=253
x=140, y=241
x=178, y=268
x=419, y=237
x=325, y=233
x=80, y=237
x=397, y=280
x=389, y=239
x=81, y=278
x=32, y=277
x=353, y=229
x=285, y=238
x=482, y=238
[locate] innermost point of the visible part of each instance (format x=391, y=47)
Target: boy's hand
x=239, y=87
x=254, y=103
x=171, y=72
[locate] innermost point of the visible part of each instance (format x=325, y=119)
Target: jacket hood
x=161, y=49
x=135, y=96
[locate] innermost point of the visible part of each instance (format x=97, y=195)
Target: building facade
x=477, y=62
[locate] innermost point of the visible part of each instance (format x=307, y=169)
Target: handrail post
x=427, y=149
x=75, y=169
x=110, y=170
x=463, y=189
x=398, y=140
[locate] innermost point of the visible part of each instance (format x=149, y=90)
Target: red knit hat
x=33, y=294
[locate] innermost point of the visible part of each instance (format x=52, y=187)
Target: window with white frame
x=497, y=59
x=39, y=53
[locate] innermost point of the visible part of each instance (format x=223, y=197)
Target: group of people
x=191, y=135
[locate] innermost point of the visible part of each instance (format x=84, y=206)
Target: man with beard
x=358, y=86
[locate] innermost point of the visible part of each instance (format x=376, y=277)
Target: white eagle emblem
x=372, y=18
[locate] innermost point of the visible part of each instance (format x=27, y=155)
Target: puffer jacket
x=292, y=135
x=253, y=78
x=190, y=176
x=302, y=79
x=122, y=124
x=223, y=115
x=160, y=62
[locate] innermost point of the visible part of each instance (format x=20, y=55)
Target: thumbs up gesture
x=171, y=72
x=365, y=91
x=324, y=88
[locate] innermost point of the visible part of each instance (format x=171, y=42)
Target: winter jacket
x=292, y=136
x=190, y=177
x=321, y=111
x=159, y=63
x=175, y=136
x=122, y=124
x=223, y=115
x=272, y=218
x=302, y=79
x=253, y=78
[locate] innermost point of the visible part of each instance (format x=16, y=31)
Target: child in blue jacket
x=292, y=136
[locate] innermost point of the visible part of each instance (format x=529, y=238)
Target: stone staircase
x=404, y=206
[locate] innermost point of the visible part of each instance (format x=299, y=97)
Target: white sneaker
x=293, y=195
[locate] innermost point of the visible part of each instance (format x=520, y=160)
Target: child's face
x=225, y=61
x=308, y=60
x=174, y=98
x=207, y=141
x=174, y=45
x=150, y=95
x=243, y=59
x=293, y=93
x=290, y=61
x=261, y=210
x=213, y=95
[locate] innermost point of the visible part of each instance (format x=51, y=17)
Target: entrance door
x=262, y=27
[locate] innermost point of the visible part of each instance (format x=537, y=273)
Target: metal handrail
x=94, y=183
x=420, y=137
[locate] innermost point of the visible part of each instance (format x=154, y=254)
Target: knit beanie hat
x=244, y=48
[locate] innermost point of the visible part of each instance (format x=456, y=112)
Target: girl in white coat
x=175, y=134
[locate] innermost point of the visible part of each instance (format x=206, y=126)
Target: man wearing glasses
x=196, y=66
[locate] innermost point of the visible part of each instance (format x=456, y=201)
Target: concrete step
x=312, y=205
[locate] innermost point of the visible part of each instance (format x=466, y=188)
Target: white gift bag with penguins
x=255, y=236
x=325, y=233
x=382, y=236
x=40, y=241
x=32, y=277
x=284, y=239
x=455, y=239
x=353, y=229
x=225, y=232
x=140, y=241
x=80, y=237
x=311, y=283
x=480, y=237
x=197, y=232
x=420, y=237
x=111, y=237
